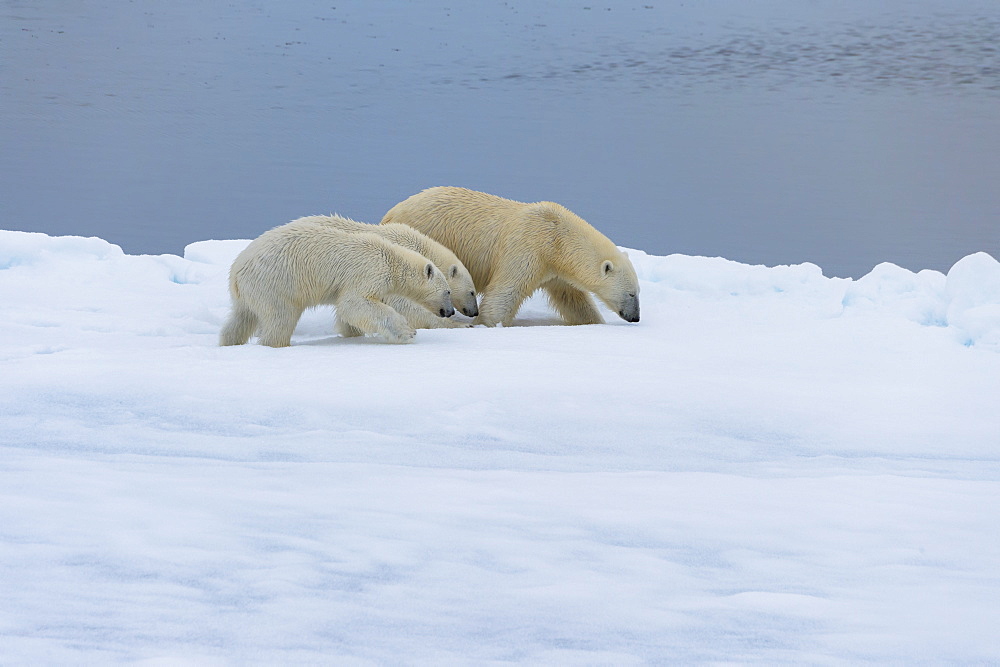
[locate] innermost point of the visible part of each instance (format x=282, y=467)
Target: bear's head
x=618, y=286
x=430, y=288
x=463, y=291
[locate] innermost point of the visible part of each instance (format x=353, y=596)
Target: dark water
x=773, y=132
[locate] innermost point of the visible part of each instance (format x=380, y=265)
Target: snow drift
x=771, y=466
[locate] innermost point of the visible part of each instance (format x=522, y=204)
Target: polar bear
x=303, y=264
x=463, y=290
x=513, y=248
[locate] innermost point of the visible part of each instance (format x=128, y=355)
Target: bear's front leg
x=371, y=316
x=501, y=301
x=575, y=306
x=419, y=317
x=346, y=330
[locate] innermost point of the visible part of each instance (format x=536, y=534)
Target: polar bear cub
x=303, y=264
x=463, y=290
x=514, y=248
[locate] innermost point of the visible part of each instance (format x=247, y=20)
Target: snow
x=772, y=466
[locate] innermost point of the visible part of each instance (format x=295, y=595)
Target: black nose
x=627, y=318
x=446, y=312
x=470, y=313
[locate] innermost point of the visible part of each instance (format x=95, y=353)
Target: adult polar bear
x=303, y=264
x=463, y=290
x=513, y=248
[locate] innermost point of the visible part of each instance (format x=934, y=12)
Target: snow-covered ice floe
x=772, y=466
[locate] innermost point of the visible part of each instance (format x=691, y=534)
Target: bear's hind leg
x=575, y=306
x=239, y=327
x=277, y=325
x=372, y=316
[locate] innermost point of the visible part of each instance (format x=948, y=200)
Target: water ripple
x=933, y=56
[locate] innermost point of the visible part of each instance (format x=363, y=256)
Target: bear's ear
x=607, y=267
x=454, y=271
x=429, y=270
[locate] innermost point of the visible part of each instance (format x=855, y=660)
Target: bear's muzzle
x=630, y=309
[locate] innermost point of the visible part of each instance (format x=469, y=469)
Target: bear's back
x=471, y=225
x=307, y=257
x=334, y=221
x=401, y=235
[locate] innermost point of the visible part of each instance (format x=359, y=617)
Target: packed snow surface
x=772, y=466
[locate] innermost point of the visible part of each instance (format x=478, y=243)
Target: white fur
x=463, y=290
x=303, y=264
x=512, y=249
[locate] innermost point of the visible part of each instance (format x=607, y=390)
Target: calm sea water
x=775, y=131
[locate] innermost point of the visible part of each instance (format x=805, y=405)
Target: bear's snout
x=470, y=312
x=446, y=312
x=630, y=310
